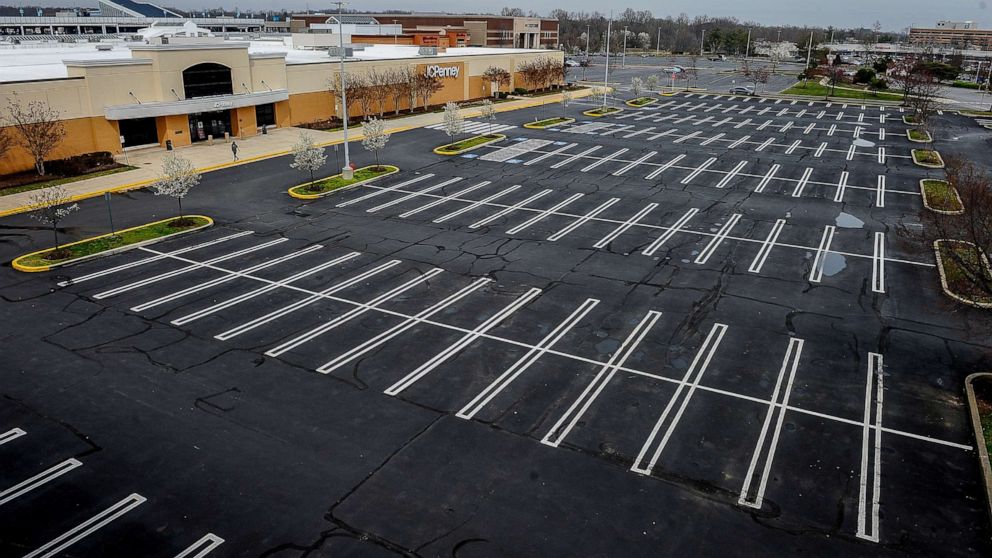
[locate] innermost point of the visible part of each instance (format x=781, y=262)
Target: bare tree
x=374, y=138
x=50, y=207
x=756, y=74
x=379, y=89
x=38, y=126
x=178, y=177
x=427, y=86
x=531, y=71
x=353, y=92
x=924, y=99
x=498, y=76
x=308, y=157
x=400, y=84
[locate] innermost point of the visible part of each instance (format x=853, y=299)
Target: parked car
x=672, y=70
x=717, y=58
x=742, y=90
x=571, y=63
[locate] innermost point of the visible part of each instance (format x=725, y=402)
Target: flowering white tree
x=453, y=121
x=308, y=157
x=566, y=98
x=488, y=113
x=50, y=207
x=374, y=138
x=652, y=82
x=178, y=178
x=636, y=85
x=644, y=40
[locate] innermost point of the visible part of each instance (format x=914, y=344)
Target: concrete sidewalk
x=208, y=158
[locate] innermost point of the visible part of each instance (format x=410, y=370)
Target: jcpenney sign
x=442, y=71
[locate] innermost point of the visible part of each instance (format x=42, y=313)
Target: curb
x=349, y=186
x=81, y=259
x=593, y=114
x=939, y=165
x=438, y=149
x=909, y=136
x=976, y=423
x=536, y=126
x=631, y=103
x=926, y=202
x=943, y=276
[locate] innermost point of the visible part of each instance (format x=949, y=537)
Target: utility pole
x=623, y=56
x=747, y=49
x=346, y=171
x=588, y=27
x=606, y=78
x=702, y=40
x=809, y=51
x=657, y=48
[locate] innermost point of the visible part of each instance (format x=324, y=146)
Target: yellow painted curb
x=631, y=103
x=39, y=268
x=329, y=192
x=439, y=149
x=538, y=126
x=672, y=94
x=594, y=114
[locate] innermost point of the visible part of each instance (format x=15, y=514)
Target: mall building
x=178, y=89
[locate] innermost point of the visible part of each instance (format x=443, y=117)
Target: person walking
x=234, y=149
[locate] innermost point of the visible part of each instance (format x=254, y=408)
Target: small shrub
x=879, y=84
x=519, y=91
x=864, y=75
x=80, y=164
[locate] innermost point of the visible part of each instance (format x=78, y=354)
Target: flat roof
x=48, y=60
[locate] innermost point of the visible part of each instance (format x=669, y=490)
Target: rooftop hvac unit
x=349, y=52
x=104, y=47
x=427, y=51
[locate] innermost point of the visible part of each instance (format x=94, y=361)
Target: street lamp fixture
x=346, y=172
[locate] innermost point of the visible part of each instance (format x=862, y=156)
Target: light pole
x=346, y=171
x=702, y=40
x=588, y=28
x=623, y=56
x=606, y=77
x=747, y=49
x=809, y=51
x=657, y=46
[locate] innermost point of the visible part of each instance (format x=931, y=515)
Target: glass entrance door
x=203, y=124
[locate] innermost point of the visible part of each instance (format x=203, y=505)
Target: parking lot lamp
x=606, y=77
x=346, y=171
x=657, y=44
x=623, y=57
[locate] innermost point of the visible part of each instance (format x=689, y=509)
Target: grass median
x=956, y=260
x=928, y=158
x=549, y=122
x=940, y=196
x=468, y=144
x=641, y=101
x=324, y=186
x=73, y=252
x=602, y=111
x=812, y=89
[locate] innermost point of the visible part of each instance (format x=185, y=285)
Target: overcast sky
x=893, y=14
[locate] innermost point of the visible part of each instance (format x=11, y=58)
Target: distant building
x=956, y=34
x=462, y=30
x=132, y=8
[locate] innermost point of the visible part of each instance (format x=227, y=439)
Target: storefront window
x=204, y=80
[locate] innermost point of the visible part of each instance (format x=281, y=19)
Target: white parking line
x=766, y=247
x=850, y=152
x=809, y=128
x=41, y=478
x=574, y=413
x=476, y=204
x=664, y=167
x=820, y=114
x=176, y=272
x=698, y=170
x=10, y=435
x=714, y=243
x=738, y=142
x=687, y=137
x=816, y=272
x=575, y=157
x=222, y=279
x=801, y=185
x=742, y=123
x=55, y=546
x=840, y=115
x=616, y=129
x=792, y=148
x=606, y=240
x=385, y=190
x=819, y=150
x=202, y=547
x=767, y=178
x=721, y=122
x=633, y=164
x=543, y=214
x=412, y=195
x=549, y=154
x=702, y=121
x=841, y=186
x=639, y=132
x=385, y=336
x=467, y=339
x=766, y=143
x=712, y=139
x=881, y=155
x=149, y=260
x=730, y=175
x=303, y=303
x=790, y=363
x=786, y=127
x=653, y=137
x=611, y=156
x=878, y=264
x=868, y=527
x=691, y=378
x=654, y=246
x=582, y=220
x=764, y=124
x=881, y=134
x=510, y=209
x=880, y=191
x=521, y=365
x=351, y=314
x=442, y=199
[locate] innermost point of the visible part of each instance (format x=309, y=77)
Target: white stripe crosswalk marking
x=476, y=204
x=55, y=546
x=303, y=303
x=654, y=246
x=576, y=157
x=715, y=242
x=766, y=247
x=543, y=214
x=351, y=314
x=816, y=272
x=439, y=201
x=398, y=329
x=767, y=178
x=699, y=170
x=261, y=290
x=551, y=153
x=385, y=190
x=730, y=175
x=202, y=547
x=606, y=240
x=521, y=365
x=574, y=413
x=692, y=377
x=412, y=195
x=223, y=279
x=148, y=260
x=789, y=365
x=41, y=478
x=582, y=220
x=510, y=209
x=466, y=340
x=633, y=164
x=609, y=157
x=801, y=185
x=183, y=270
x=664, y=167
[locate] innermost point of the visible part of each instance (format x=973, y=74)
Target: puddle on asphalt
x=607, y=346
x=833, y=264
x=863, y=143
x=848, y=221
